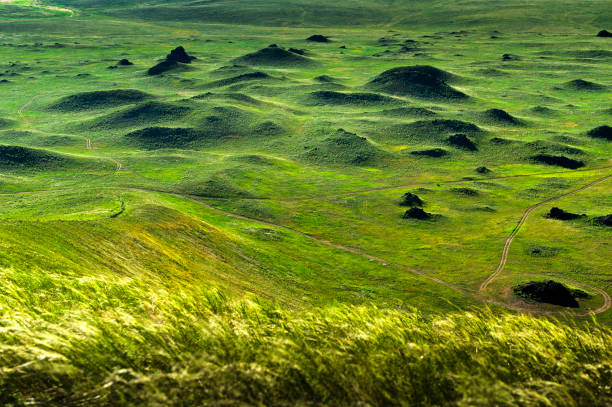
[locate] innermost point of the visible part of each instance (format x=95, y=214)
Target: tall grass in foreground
x=207, y=349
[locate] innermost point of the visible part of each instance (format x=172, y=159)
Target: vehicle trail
x=607, y=304
x=517, y=228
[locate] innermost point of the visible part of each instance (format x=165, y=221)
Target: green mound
x=220, y=185
x=417, y=81
x=226, y=121
x=268, y=129
x=148, y=112
x=465, y=191
x=23, y=158
x=500, y=117
x=408, y=112
x=433, y=127
x=152, y=138
x=325, y=79
x=553, y=147
x=580, y=84
x=232, y=96
x=247, y=77
x=274, y=56
x=254, y=159
x=100, y=99
x=344, y=147
x=493, y=72
x=5, y=123
x=591, y=53
x=340, y=98
x=542, y=111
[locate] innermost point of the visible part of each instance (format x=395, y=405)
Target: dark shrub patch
x=173, y=60
x=410, y=199
x=558, y=160
x=417, y=213
x=318, y=38
x=560, y=214
x=550, y=292
x=180, y=55
x=462, y=141
x=483, y=170
x=125, y=62
x=604, y=34
x=604, y=220
x=604, y=132
x=434, y=152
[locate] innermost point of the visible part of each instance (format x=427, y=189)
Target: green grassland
x=230, y=231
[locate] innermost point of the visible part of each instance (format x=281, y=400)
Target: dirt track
x=517, y=228
x=506, y=250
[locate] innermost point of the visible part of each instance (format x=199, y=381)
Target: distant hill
x=362, y=12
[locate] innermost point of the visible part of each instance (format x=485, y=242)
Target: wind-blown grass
x=210, y=350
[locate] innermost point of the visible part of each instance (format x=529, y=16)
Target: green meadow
x=227, y=223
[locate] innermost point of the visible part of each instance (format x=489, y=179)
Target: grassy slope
x=123, y=261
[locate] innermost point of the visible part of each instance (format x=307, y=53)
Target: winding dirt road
x=517, y=228
x=607, y=304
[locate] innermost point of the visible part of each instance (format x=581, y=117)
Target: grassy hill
x=242, y=228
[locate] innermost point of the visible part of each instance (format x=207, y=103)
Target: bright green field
x=258, y=255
